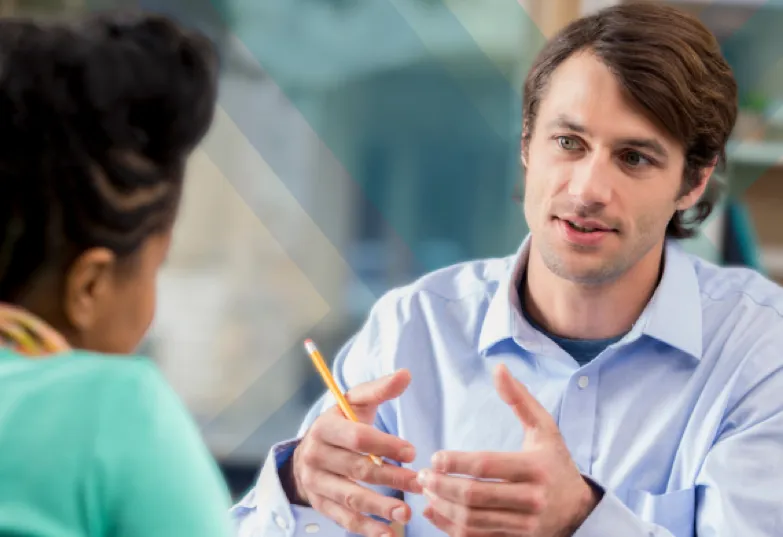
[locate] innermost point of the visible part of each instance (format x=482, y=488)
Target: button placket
x=578, y=414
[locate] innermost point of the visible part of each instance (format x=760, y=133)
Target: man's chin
x=583, y=273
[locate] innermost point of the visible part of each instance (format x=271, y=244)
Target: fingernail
x=408, y=453
x=438, y=460
x=398, y=514
x=423, y=477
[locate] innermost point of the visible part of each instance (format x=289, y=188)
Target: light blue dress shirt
x=680, y=421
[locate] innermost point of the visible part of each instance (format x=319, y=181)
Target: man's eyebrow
x=563, y=122
x=650, y=144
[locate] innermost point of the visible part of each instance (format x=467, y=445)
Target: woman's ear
x=88, y=286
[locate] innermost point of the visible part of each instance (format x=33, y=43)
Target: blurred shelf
x=762, y=154
x=726, y=5
x=725, y=17
x=731, y=3
x=772, y=260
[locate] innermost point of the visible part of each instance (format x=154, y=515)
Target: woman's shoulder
x=124, y=439
x=88, y=375
x=134, y=371
x=91, y=392
x=78, y=369
x=128, y=390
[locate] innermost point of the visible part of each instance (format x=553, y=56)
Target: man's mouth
x=585, y=229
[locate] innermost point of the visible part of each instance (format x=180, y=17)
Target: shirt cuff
x=265, y=510
x=611, y=518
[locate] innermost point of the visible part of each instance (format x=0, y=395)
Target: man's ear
x=88, y=283
x=689, y=199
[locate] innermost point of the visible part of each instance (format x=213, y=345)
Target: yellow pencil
x=326, y=375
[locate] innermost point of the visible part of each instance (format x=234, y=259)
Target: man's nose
x=590, y=182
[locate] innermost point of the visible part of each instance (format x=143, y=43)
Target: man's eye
x=567, y=143
x=635, y=159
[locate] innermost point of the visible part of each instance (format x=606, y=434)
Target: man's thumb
x=514, y=394
x=368, y=395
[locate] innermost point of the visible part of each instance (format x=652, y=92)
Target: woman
x=97, y=120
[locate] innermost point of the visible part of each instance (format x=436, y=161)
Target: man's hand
x=537, y=492
x=331, y=458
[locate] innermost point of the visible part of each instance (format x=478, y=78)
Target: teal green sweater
x=101, y=446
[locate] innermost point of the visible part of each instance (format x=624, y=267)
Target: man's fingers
x=362, y=438
x=352, y=521
x=525, y=406
x=357, y=498
x=368, y=395
x=507, y=466
x=480, y=521
x=520, y=497
x=439, y=521
x=360, y=468
x=450, y=528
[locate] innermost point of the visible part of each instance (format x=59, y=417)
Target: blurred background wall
x=361, y=143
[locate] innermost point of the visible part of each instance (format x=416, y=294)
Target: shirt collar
x=504, y=319
x=673, y=315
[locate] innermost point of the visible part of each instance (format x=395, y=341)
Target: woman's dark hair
x=97, y=120
x=670, y=65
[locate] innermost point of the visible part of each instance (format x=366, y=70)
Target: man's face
x=601, y=181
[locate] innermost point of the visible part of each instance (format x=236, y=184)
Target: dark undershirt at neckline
x=581, y=350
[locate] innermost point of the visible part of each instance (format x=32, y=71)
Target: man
x=601, y=382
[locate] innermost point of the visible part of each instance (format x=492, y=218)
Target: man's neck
x=571, y=310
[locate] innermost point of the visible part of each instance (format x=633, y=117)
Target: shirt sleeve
x=152, y=473
x=612, y=518
x=737, y=490
x=265, y=510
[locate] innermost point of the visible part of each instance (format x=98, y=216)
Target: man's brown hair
x=670, y=65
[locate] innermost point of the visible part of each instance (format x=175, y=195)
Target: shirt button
x=280, y=521
x=312, y=528
x=583, y=382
